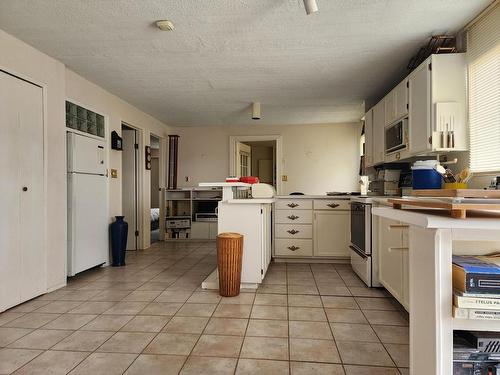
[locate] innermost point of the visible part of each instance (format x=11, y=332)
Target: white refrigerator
x=88, y=241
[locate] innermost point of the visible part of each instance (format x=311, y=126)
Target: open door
x=243, y=159
x=130, y=160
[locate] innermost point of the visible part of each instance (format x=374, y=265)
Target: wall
x=116, y=111
x=259, y=153
x=20, y=59
x=316, y=158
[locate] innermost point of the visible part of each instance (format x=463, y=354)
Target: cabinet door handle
x=292, y=217
x=333, y=205
x=292, y=205
x=293, y=231
x=398, y=226
x=293, y=248
x=399, y=248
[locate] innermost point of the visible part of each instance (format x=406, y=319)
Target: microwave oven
x=396, y=136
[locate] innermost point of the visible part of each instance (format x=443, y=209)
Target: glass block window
x=84, y=120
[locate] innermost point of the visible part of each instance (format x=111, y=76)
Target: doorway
x=154, y=143
x=130, y=184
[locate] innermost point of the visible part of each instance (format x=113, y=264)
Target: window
x=483, y=50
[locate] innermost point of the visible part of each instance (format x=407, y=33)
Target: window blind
x=483, y=54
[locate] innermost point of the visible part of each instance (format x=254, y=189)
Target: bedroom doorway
x=154, y=143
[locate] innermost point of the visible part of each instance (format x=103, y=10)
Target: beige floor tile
x=404, y=371
x=271, y=299
x=110, y=295
x=269, y=312
x=232, y=311
x=365, y=370
x=265, y=348
x=197, y=309
x=310, y=330
x=310, y=350
x=107, y=323
x=218, y=346
x=204, y=297
x=262, y=367
x=186, y=324
x=8, y=335
x=92, y=307
x=333, y=290
x=303, y=289
x=104, y=364
x=304, y=301
x=142, y=296
x=353, y=332
x=308, y=368
x=153, y=364
x=364, y=291
x=146, y=323
x=267, y=328
x=29, y=306
x=12, y=359
x=364, y=353
x=172, y=343
x=316, y=314
x=337, y=302
x=366, y=303
x=394, y=318
x=79, y=295
x=173, y=296
x=399, y=353
x=8, y=316
x=272, y=288
x=40, y=339
x=126, y=342
x=392, y=334
x=226, y=326
x=155, y=286
x=53, y=362
x=345, y=316
x=31, y=320
x=126, y=308
x=59, y=307
x=209, y=366
x=87, y=341
x=161, y=308
x=70, y=321
x=241, y=299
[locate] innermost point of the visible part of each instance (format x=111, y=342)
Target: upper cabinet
x=433, y=98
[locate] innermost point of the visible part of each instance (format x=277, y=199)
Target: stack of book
x=476, y=284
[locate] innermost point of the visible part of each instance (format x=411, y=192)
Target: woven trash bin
x=229, y=258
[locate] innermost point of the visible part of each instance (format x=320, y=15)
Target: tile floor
x=151, y=317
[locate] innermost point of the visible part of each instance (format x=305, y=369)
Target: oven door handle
x=359, y=252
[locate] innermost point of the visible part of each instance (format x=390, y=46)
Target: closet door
x=22, y=253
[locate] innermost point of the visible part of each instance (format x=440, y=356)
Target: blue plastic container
x=425, y=176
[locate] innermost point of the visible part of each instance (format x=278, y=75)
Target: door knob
x=25, y=188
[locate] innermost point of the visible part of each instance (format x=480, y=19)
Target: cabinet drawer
x=293, y=247
x=293, y=216
x=293, y=231
x=293, y=204
x=331, y=204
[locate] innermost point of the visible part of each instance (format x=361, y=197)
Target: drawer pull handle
x=292, y=205
x=399, y=248
x=293, y=248
x=398, y=226
x=333, y=205
x=292, y=217
x=293, y=231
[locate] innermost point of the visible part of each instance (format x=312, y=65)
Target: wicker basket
x=229, y=258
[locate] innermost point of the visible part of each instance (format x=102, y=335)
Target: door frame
x=162, y=182
x=139, y=201
x=234, y=139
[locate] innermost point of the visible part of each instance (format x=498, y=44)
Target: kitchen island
x=433, y=238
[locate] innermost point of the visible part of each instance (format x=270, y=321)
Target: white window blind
x=483, y=52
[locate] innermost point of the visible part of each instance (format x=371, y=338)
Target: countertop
x=250, y=201
x=336, y=197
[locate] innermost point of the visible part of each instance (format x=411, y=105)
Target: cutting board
x=457, y=193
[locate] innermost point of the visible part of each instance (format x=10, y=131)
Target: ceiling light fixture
x=165, y=25
x=255, y=111
x=311, y=6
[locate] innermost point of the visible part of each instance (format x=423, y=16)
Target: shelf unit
x=183, y=204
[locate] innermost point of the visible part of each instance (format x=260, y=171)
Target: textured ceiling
x=224, y=54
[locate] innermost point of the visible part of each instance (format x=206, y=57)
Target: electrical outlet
x=284, y=178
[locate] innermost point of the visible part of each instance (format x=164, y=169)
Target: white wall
x=20, y=59
x=116, y=110
x=316, y=158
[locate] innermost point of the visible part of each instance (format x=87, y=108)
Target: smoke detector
x=165, y=25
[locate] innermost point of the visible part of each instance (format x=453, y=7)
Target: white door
x=85, y=154
x=331, y=233
x=419, y=114
x=391, y=256
x=266, y=238
x=401, y=91
x=22, y=252
x=244, y=159
x=129, y=185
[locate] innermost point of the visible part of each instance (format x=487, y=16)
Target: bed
x=155, y=218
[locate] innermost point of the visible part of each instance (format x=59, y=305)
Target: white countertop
x=250, y=201
x=223, y=184
x=340, y=197
x=440, y=219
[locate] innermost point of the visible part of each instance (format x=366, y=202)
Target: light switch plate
x=284, y=178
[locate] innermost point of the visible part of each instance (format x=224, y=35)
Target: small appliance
x=263, y=191
x=396, y=136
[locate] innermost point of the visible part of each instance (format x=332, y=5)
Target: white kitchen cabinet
x=22, y=251
x=390, y=107
x=420, y=109
x=203, y=230
x=369, y=138
x=378, y=132
x=396, y=103
x=331, y=233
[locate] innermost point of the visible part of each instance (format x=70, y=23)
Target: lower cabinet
x=203, y=230
x=331, y=233
x=393, y=258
